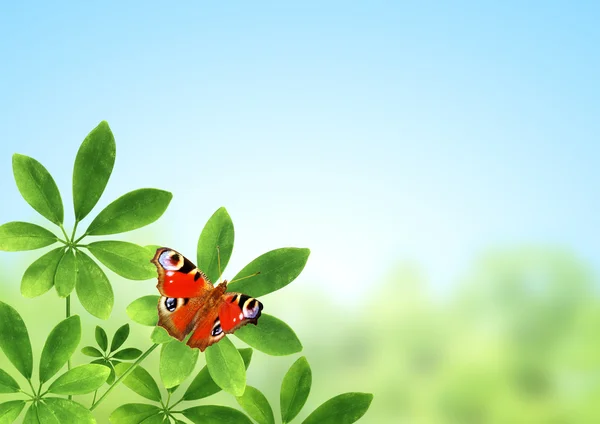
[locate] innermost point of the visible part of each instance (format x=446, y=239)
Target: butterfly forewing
x=178, y=276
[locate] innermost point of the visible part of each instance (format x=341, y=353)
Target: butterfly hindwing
x=207, y=332
x=177, y=315
x=234, y=311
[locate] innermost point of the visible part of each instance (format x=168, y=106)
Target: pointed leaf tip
x=14, y=340
x=93, y=166
x=38, y=188
x=346, y=408
x=131, y=211
x=17, y=236
x=217, y=233
x=277, y=269
x=60, y=346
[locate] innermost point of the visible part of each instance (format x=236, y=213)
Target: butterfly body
x=191, y=305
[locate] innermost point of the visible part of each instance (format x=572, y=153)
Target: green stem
x=74, y=229
x=31, y=385
x=80, y=238
x=28, y=394
x=176, y=403
x=95, y=394
x=68, y=314
x=62, y=228
x=125, y=374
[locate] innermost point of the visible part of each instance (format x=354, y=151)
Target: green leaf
x=277, y=269
x=38, y=188
x=93, y=165
x=18, y=236
x=295, y=389
x=140, y=381
x=111, y=377
x=204, y=386
x=214, y=414
x=133, y=413
x=342, y=409
x=31, y=416
x=14, y=340
x=101, y=338
x=271, y=336
x=128, y=354
x=160, y=336
x=256, y=405
x=45, y=414
x=60, y=346
x=144, y=310
x=156, y=419
x=133, y=210
x=68, y=411
x=92, y=351
x=218, y=232
x=9, y=411
x=152, y=248
x=80, y=380
x=246, y=354
x=126, y=259
x=108, y=364
x=93, y=288
x=177, y=361
x=120, y=337
x=66, y=274
x=39, y=276
x=7, y=383
x=226, y=367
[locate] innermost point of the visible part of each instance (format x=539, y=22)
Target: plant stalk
x=124, y=375
x=68, y=314
x=74, y=229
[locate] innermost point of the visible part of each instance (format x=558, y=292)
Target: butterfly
x=191, y=304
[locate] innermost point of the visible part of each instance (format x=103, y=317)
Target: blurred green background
x=440, y=160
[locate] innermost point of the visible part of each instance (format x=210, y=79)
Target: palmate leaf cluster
x=111, y=357
x=44, y=406
x=68, y=267
x=71, y=267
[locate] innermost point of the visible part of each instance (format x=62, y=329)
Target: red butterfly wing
x=177, y=276
x=234, y=311
x=206, y=332
x=237, y=310
x=177, y=315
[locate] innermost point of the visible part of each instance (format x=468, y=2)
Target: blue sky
x=373, y=133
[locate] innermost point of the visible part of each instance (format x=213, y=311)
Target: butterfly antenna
x=247, y=276
x=219, y=262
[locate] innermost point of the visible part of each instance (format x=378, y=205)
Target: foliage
x=71, y=268
x=68, y=267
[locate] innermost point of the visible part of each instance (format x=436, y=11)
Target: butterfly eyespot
x=252, y=308
x=216, y=329
x=170, y=260
x=171, y=304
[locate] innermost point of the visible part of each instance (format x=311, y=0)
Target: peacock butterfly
x=191, y=304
